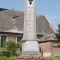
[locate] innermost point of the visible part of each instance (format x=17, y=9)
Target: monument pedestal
x=30, y=48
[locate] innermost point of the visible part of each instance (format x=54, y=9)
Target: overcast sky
x=49, y=8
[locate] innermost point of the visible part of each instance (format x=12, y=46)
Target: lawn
x=56, y=58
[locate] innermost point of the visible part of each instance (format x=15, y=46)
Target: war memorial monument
x=30, y=43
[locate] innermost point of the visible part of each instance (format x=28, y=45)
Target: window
x=39, y=36
x=3, y=40
x=19, y=38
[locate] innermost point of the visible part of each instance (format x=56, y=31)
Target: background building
x=11, y=28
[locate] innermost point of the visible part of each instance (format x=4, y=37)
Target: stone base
x=30, y=48
x=32, y=58
x=31, y=53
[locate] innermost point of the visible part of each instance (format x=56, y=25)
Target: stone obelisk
x=30, y=44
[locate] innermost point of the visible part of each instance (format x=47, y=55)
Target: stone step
x=32, y=58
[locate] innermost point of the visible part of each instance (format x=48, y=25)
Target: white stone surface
x=31, y=46
x=29, y=21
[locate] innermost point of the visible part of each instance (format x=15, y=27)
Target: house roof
x=14, y=21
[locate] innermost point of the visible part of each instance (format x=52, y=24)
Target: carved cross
x=30, y=1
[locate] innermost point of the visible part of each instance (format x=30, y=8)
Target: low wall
x=32, y=58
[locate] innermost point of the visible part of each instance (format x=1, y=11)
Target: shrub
x=40, y=49
x=3, y=58
x=5, y=53
x=11, y=47
x=11, y=58
x=0, y=53
x=19, y=45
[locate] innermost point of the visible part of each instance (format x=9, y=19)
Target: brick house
x=50, y=48
x=11, y=28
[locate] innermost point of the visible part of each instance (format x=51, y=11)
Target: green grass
x=6, y=58
x=56, y=58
